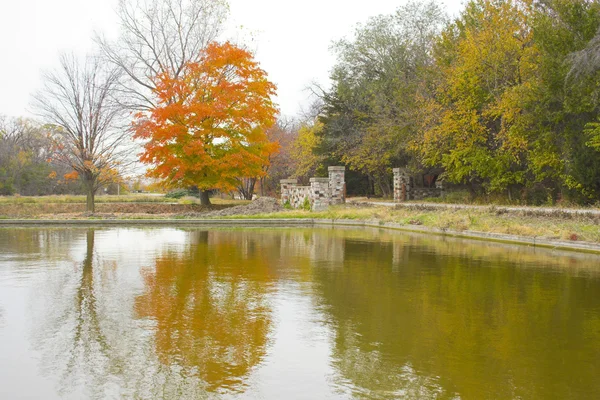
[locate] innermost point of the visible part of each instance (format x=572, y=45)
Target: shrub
x=177, y=194
x=306, y=205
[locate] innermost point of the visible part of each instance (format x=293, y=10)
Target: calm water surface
x=292, y=314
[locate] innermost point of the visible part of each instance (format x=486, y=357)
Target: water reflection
x=73, y=333
x=52, y=244
x=436, y=324
x=210, y=307
x=385, y=315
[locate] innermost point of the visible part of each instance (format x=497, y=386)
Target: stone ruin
x=405, y=188
x=323, y=192
x=320, y=194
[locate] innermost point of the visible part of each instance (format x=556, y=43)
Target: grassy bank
x=138, y=205
x=128, y=198
x=558, y=226
x=554, y=225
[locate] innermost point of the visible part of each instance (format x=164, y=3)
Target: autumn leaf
x=71, y=176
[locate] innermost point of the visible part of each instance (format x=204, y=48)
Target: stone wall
x=421, y=193
x=298, y=196
x=286, y=185
x=321, y=193
x=404, y=188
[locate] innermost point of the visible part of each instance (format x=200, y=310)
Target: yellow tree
x=477, y=127
x=209, y=125
x=304, y=149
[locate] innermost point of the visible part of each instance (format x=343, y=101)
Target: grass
x=555, y=225
x=61, y=199
x=559, y=226
x=465, y=198
x=101, y=199
x=106, y=206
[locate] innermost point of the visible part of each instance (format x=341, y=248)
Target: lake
x=292, y=313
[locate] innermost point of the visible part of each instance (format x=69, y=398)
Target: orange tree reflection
x=210, y=307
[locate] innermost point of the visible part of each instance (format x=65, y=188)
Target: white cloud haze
x=291, y=40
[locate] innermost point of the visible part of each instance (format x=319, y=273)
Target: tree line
x=501, y=100
x=26, y=163
x=199, y=109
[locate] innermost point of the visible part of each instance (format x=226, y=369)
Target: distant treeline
x=26, y=164
x=501, y=100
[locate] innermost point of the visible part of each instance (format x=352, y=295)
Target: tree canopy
x=209, y=126
x=503, y=99
x=370, y=113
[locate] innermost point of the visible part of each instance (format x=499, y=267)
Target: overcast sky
x=291, y=40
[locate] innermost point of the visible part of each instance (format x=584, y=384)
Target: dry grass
x=555, y=226
x=40, y=210
x=107, y=206
x=62, y=199
x=128, y=198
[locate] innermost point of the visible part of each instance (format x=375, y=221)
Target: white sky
x=291, y=40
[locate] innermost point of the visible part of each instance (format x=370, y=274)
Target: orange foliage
x=209, y=125
x=210, y=305
x=71, y=176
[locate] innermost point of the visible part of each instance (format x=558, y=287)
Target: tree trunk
x=371, y=187
x=204, y=199
x=383, y=187
x=246, y=188
x=90, y=206
x=250, y=188
x=388, y=189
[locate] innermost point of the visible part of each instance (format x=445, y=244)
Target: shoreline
x=535, y=241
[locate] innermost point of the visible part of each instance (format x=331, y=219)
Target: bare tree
x=90, y=136
x=158, y=37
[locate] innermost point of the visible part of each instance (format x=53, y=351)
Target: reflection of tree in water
x=210, y=308
x=417, y=324
x=206, y=310
x=36, y=244
x=71, y=332
x=370, y=372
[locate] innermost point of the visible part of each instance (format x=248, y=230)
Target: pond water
x=292, y=314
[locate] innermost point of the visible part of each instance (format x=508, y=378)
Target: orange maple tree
x=209, y=125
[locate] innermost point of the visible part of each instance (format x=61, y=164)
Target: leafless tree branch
x=92, y=133
x=158, y=37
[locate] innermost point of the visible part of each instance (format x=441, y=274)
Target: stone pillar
x=337, y=185
x=396, y=185
x=286, y=185
x=319, y=194
x=401, y=185
x=439, y=184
